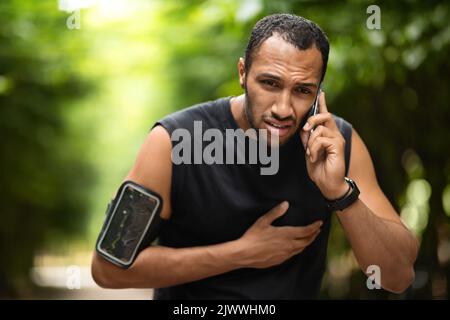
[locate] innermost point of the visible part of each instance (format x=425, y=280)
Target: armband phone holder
x=132, y=222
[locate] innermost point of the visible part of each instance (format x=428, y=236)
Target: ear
x=241, y=70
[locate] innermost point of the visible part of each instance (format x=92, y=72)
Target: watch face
x=129, y=222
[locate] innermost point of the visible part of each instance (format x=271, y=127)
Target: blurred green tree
x=391, y=84
x=43, y=174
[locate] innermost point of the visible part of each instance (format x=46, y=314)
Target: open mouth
x=276, y=128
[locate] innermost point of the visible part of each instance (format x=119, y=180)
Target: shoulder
x=344, y=126
x=153, y=166
x=209, y=111
x=346, y=130
x=360, y=160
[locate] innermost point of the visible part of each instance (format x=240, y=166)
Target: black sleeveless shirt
x=216, y=203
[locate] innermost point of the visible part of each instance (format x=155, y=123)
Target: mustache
x=278, y=118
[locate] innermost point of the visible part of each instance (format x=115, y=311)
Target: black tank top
x=217, y=203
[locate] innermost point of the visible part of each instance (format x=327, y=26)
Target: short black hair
x=300, y=32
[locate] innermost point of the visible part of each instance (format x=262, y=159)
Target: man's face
x=280, y=86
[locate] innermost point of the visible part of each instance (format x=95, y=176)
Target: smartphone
x=314, y=109
x=132, y=222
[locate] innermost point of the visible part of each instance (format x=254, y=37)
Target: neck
x=238, y=111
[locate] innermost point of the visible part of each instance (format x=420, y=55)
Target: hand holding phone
x=315, y=106
x=312, y=112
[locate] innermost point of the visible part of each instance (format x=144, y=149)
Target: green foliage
x=43, y=173
x=60, y=145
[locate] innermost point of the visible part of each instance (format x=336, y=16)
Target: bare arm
x=262, y=246
x=374, y=229
x=160, y=266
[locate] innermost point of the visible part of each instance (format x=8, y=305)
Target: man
x=230, y=232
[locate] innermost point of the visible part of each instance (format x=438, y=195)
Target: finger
x=304, y=137
x=312, y=122
x=296, y=232
x=301, y=232
x=320, y=131
x=322, y=103
x=326, y=119
x=320, y=146
x=306, y=235
x=301, y=244
x=275, y=213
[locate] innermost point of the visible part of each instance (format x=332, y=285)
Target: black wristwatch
x=347, y=200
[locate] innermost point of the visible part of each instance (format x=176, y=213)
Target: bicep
x=153, y=166
x=363, y=173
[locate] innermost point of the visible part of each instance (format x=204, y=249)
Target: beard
x=248, y=109
x=250, y=116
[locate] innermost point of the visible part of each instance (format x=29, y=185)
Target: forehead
x=277, y=55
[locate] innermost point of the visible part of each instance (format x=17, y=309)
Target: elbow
x=401, y=282
x=99, y=279
x=100, y=274
x=404, y=277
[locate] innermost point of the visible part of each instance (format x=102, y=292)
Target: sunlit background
x=82, y=82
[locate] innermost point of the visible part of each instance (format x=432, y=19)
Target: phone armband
x=131, y=224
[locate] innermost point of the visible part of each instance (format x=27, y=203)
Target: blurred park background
x=81, y=83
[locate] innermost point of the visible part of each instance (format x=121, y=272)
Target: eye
x=303, y=90
x=269, y=83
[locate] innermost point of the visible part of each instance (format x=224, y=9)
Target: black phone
x=314, y=109
x=132, y=222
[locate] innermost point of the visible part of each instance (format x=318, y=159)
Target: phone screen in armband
x=131, y=225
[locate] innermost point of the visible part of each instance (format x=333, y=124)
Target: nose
x=282, y=107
